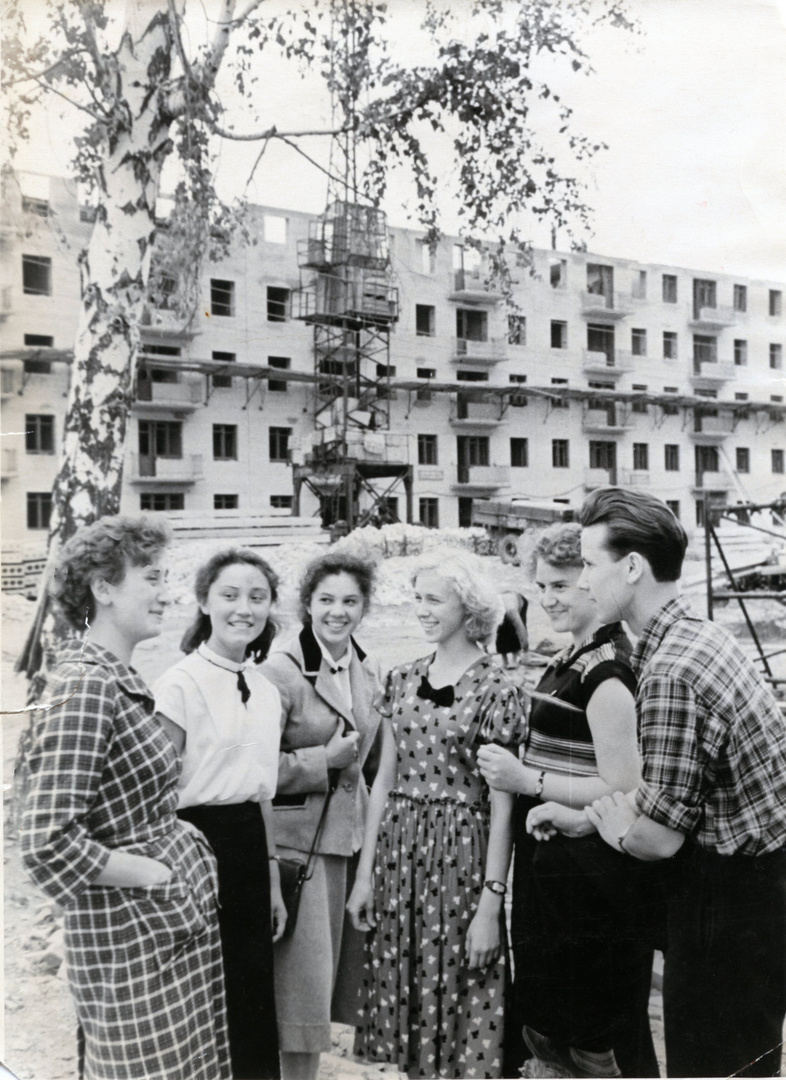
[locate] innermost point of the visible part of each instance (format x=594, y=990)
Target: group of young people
x=643, y=789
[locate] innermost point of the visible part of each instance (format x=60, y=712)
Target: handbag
x=293, y=873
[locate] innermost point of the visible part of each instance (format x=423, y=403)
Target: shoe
x=548, y=1055
x=589, y=1063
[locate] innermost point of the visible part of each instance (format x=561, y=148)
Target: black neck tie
x=441, y=696
x=242, y=686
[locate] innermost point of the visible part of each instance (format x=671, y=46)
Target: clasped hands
x=610, y=816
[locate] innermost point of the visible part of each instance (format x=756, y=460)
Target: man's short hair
x=638, y=522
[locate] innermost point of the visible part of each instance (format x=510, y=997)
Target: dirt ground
x=39, y=1019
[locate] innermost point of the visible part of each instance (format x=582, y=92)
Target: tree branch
x=206, y=73
x=272, y=133
x=327, y=172
x=173, y=19
x=47, y=87
x=92, y=43
x=43, y=74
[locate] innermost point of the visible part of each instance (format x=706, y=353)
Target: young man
x=712, y=798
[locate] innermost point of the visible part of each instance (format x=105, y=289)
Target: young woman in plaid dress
x=100, y=835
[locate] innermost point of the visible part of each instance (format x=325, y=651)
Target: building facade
x=603, y=371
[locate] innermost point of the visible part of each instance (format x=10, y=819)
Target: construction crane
x=347, y=295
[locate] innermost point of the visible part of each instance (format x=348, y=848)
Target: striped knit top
x=559, y=739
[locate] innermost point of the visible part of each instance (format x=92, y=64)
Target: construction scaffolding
x=762, y=580
x=353, y=463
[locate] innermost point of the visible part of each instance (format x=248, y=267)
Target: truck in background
x=511, y=521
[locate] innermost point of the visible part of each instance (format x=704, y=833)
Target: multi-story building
x=606, y=370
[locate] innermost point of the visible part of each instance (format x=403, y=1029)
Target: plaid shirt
x=712, y=738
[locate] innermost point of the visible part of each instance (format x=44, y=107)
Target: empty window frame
x=669, y=345
x=560, y=453
x=559, y=334
x=39, y=433
x=776, y=356
x=705, y=294
x=281, y=363
x=667, y=407
x=777, y=461
x=517, y=329
x=424, y=394
x=161, y=438
x=275, y=229
x=740, y=352
x=669, y=288
x=639, y=406
x=671, y=457
x=225, y=442
x=425, y=320
x=559, y=402
x=428, y=512
x=162, y=501
x=600, y=280
x=39, y=509
x=278, y=443
x=472, y=325
x=705, y=349
x=278, y=303
x=743, y=459
x=519, y=401
x=39, y=207
x=740, y=298
x=427, y=450
x=281, y=502
x=428, y=259
x=37, y=275
x=223, y=381
x=638, y=341
x=519, y=453
x=222, y=297
x=775, y=306
x=639, y=285
x=224, y=502
x=558, y=273
x=641, y=456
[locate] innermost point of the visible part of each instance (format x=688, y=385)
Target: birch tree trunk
x=132, y=145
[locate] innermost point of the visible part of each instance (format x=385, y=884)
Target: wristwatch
x=539, y=784
x=497, y=887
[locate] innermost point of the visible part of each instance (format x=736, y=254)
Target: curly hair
x=105, y=550
x=466, y=575
x=201, y=628
x=335, y=562
x=559, y=545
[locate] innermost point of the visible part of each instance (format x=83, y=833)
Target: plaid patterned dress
x=143, y=963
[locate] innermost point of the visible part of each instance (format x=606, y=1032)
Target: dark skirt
x=237, y=835
x=507, y=640
x=585, y=922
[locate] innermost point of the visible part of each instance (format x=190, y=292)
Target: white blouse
x=231, y=749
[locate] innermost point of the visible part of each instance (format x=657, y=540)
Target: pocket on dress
x=170, y=916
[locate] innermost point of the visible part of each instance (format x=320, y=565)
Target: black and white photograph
x=393, y=540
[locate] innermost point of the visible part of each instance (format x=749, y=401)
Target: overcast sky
x=693, y=110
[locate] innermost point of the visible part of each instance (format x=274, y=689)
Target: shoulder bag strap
x=332, y=784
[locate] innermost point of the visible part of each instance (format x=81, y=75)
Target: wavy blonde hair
x=467, y=576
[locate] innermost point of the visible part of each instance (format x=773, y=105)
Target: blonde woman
x=432, y=871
